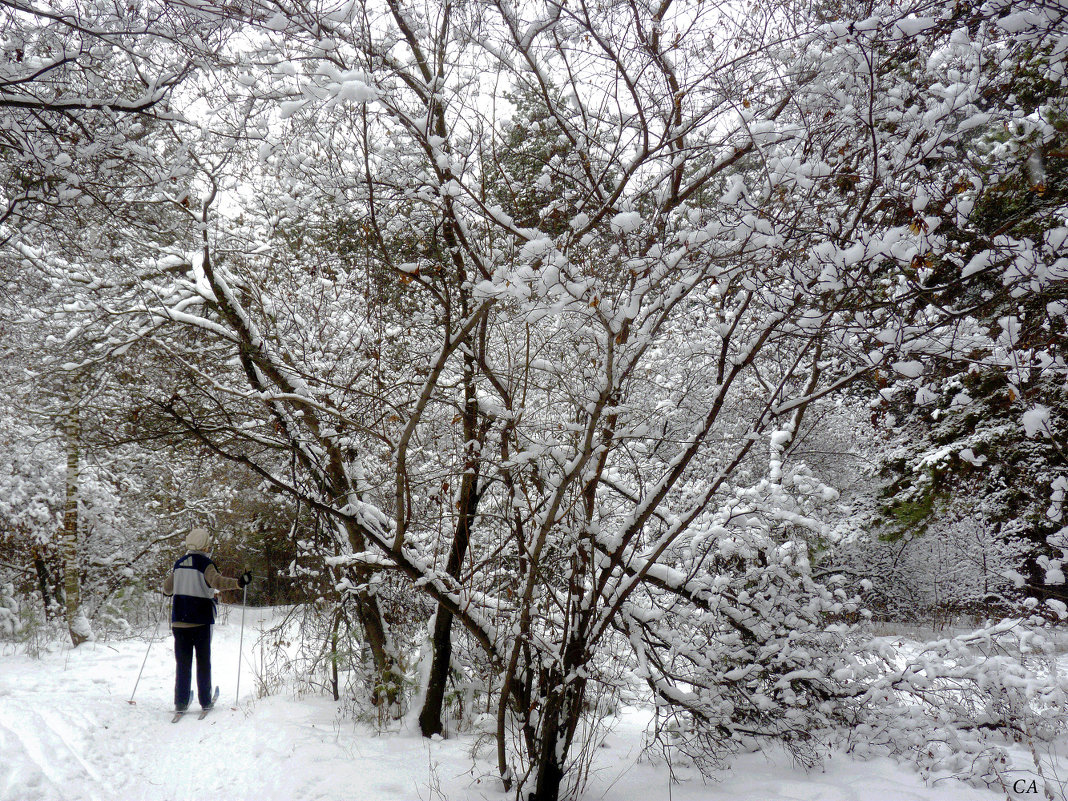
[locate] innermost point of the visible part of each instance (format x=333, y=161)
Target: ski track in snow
x=67, y=733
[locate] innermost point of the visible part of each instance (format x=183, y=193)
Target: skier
x=193, y=583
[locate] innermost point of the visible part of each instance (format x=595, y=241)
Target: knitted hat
x=197, y=539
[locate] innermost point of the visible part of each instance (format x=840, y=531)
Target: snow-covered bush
x=956, y=706
x=758, y=660
x=10, y=622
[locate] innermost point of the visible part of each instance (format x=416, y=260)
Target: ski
x=178, y=714
x=204, y=712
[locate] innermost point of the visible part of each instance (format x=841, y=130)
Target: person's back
x=193, y=582
x=194, y=597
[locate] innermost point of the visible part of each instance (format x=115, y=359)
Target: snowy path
x=67, y=733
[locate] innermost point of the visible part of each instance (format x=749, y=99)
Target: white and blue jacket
x=194, y=599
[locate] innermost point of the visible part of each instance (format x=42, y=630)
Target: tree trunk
x=548, y=770
x=564, y=692
x=77, y=624
x=268, y=556
x=376, y=631
x=44, y=581
x=387, y=688
x=430, y=722
x=430, y=716
x=334, y=684
x=556, y=731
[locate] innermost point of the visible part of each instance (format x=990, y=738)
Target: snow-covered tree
x=567, y=414
x=79, y=86
x=981, y=419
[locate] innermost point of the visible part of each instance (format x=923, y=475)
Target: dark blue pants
x=187, y=641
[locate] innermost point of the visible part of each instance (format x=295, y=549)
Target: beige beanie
x=197, y=539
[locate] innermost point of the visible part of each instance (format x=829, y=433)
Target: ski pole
x=241, y=644
x=142, y=670
x=144, y=662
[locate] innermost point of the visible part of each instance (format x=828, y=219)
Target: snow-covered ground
x=67, y=732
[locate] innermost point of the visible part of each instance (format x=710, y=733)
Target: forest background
x=544, y=356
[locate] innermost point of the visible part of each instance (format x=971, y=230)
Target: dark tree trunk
x=556, y=731
x=334, y=684
x=388, y=686
x=430, y=722
x=564, y=693
x=549, y=771
x=369, y=613
x=269, y=556
x=44, y=580
x=77, y=625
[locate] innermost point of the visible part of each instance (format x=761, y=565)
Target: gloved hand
x=246, y=578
